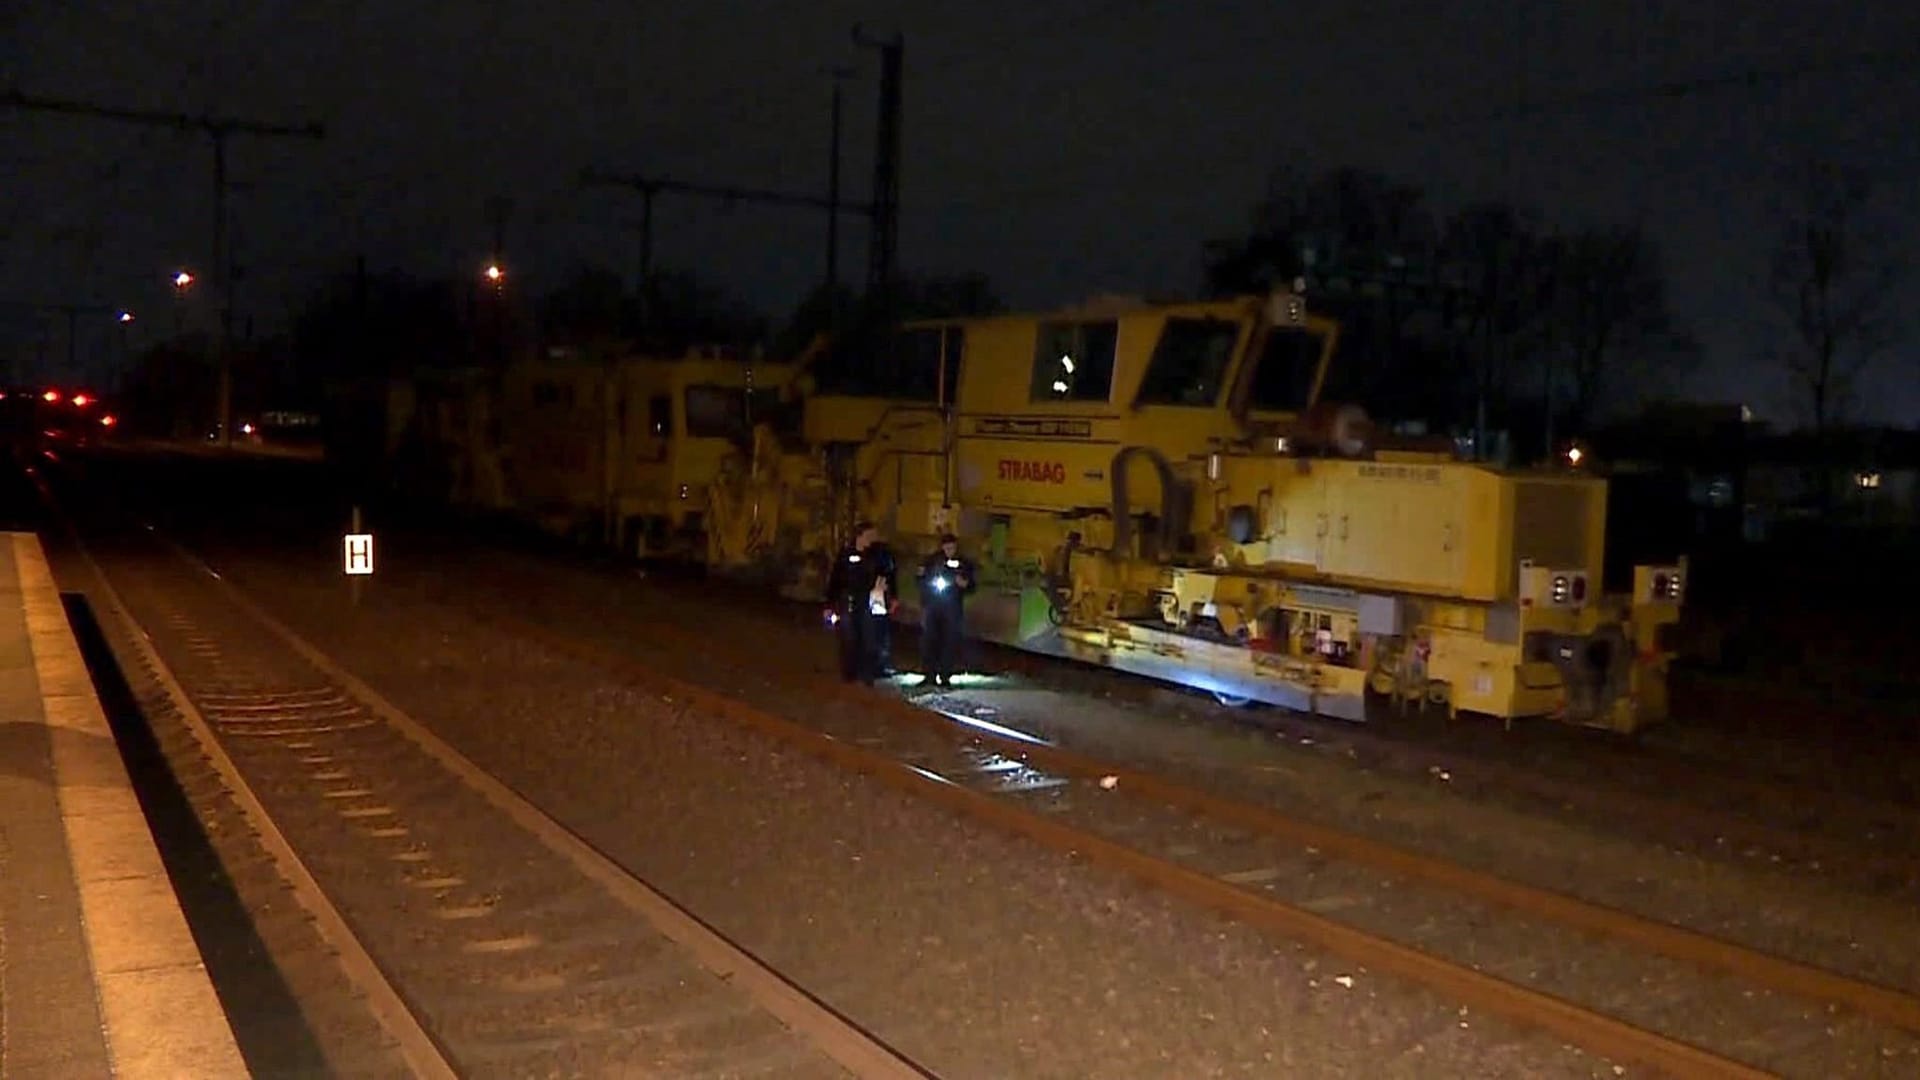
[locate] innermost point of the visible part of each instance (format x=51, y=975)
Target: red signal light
x=81, y=400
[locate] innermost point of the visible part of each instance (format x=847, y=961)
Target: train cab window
x=1189, y=365
x=954, y=345
x=1285, y=373
x=660, y=416
x=716, y=412
x=1073, y=361
x=915, y=358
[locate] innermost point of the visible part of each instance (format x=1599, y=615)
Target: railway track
x=1621, y=985
x=1870, y=845
x=1627, y=989
x=484, y=938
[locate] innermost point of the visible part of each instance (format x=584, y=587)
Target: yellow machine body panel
x=629, y=445
x=550, y=430
x=1431, y=527
x=1157, y=488
x=1047, y=404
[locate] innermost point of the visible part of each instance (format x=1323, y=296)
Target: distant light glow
x=1574, y=454
x=81, y=400
x=126, y=316
x=1067, y=362
x=246, y=429
x=108, y=420
x=180, y=281
x=494, y=273
x=51, y=395
x=1059, y=386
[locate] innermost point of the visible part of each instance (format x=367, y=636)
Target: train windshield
x=1189, y=365
x=717, y=412
x=1283, y=379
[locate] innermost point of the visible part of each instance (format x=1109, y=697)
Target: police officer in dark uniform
x=882, y=554
x=861, y=588
x=946, y=580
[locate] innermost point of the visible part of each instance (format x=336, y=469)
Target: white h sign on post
x=359, y=553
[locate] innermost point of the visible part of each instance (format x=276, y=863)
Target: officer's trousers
x=940, y=634
x=859, y=642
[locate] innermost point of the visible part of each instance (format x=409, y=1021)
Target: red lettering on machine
x=1035, y=472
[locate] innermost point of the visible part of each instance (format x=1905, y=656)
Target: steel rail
x=422, y=1052
x=1775, y=973
x=1569, y=1021
x=839, y=1037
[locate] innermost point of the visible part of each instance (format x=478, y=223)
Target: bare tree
x=1508, y=273
x=1611, y=315
x=1834, y=280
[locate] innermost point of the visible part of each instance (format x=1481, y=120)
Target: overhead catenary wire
x=1748, y=78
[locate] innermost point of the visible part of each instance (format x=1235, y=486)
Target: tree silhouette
x=1834, y=280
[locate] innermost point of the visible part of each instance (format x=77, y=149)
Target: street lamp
x=494, y=273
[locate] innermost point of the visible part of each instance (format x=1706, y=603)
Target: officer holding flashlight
x=946, y=579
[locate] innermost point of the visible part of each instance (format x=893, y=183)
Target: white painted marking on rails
x=463, y=912
x=1251, y=877
x=990, y=726
x=367, y=811
x=1020, y=784
x=329, y=775
x=501, y=945
x=346, y=793
x=411, y=856
x=930, y=774
x=855, y=1050
x=421, y=1054
x=269, y=698
x=544, y=982
x=241, y=731
x=437, y=882
x=1325, y=904
x=290, y=715
x=388, y=832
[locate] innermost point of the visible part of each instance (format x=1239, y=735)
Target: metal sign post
x=357, y=557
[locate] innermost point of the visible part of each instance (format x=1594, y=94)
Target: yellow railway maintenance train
x=599, y=445
x=1158, y=488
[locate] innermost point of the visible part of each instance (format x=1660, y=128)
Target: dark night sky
x=1063, y=149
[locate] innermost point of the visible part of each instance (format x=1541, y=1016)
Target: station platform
x=99, y=973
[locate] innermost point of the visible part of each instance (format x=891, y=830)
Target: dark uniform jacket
x=855, y=571
x=938, y=566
